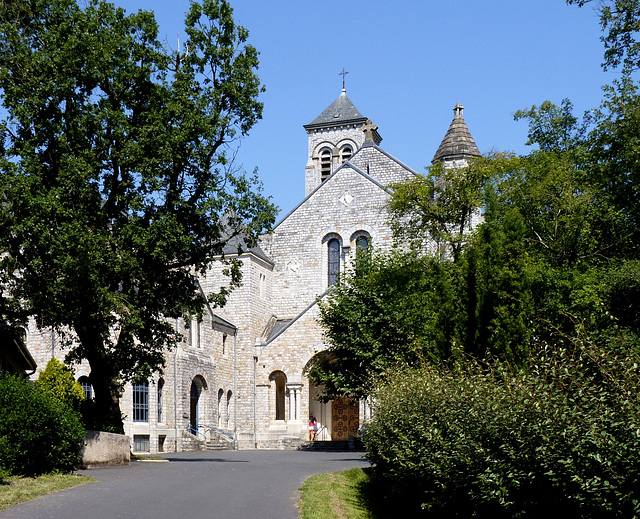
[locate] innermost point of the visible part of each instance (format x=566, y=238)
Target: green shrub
x=58, y=382
x=37, y=434
x=561, y=438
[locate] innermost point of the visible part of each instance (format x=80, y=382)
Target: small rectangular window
x=140, y=443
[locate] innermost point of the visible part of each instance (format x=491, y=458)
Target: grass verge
x=15, y=490
x=337, y=495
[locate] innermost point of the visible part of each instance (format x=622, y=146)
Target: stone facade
x=239, y=374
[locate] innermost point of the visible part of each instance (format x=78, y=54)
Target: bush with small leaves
x=37, y=434
x=562, y=437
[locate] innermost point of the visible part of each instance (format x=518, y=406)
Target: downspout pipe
x=235, y=389
x=175, y=397
x=258, y=345
x=255, y=432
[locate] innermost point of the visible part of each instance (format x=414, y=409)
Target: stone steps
x=219, y=445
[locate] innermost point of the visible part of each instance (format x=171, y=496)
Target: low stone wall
x=104, y=449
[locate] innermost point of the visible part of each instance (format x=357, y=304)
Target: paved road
x=195, y=485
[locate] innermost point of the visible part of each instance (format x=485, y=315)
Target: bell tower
x=334, y=136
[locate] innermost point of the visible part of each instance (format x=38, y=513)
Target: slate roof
x=341, y=111
x=238, y=245
x=457, y=142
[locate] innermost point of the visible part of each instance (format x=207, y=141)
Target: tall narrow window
x=325, y=164
x=362, y=242
x=263, y=285
x=194, y=333
x=333, y=260
x=86, y=385
x=345, y=153
x=141, y=402
x=280, y=381
x=220, y=395
x=160, y=388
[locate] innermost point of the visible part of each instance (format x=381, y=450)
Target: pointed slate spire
x=457, y=143
x=341, y=111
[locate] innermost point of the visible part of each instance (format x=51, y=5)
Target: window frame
x=140, y=399
x=334, y=250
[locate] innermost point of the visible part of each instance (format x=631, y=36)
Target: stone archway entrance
x=339, y=418
x=198, y=385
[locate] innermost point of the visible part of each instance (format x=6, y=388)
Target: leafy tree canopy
x=439, y=207
x=385, y=312
x=549, y=252
x=620, y=20
x=116, y=175
x=553, y=127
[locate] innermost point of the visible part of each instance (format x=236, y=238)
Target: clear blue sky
x=409, y=63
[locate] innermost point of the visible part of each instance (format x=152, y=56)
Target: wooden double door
x=345, y=418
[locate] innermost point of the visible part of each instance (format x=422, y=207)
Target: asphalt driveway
x=195, y=485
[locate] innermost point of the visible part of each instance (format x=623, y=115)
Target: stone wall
x=103, y=449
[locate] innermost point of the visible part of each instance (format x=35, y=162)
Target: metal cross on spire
x=343, y=74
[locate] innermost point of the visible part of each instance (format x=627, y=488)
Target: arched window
x=325, y=164
x=86, y=385
x=160, y=388
x=345, y=153
x=229, y=395
x=362, y=242
x=220, y=396
x=333, y=260
x=141, y=401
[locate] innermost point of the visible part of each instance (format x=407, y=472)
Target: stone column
x=295, y=390
x=291, y=403
x=298, y=396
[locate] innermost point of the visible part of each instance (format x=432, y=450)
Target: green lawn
x=16, y=490
x=337, y=495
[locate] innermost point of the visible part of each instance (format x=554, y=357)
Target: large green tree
x=440, y=207
x=392, y=309
x=116, y=182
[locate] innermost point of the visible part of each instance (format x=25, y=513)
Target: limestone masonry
x=238, y=375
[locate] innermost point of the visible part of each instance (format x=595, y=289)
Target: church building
x=238, y=378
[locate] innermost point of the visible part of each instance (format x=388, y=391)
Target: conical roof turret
x=458, y=142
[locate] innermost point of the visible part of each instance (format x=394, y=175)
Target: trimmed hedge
x=559, y=439
x=37, y=434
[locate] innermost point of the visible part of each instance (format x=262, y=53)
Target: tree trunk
x=103, y=414
x=106, y=414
